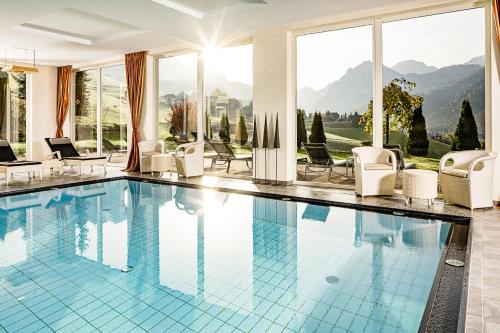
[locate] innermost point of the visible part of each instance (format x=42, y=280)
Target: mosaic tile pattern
x=206, y=261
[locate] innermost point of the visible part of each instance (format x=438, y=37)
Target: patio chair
x=147, y=149
x=319, y=157
x=189, y=159
x=375, y=171
x=400, y=157
x=226, y=155
x=469, y=180
x=9, y=163
x=67, y=153
x=112, y=148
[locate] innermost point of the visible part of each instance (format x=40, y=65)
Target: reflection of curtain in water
x=137, y=230
x=4, y=84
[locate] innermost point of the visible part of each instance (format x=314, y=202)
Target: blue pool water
x=207, y=261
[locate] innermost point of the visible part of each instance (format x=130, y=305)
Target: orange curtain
x=63, y=81
x=496, y=17
x=135, y=66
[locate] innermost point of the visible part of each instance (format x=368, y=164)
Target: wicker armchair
x=189, y=159
x=148, y=149
x=375, y=171
x=469, y=180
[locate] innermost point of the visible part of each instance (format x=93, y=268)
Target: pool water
x=125, y=256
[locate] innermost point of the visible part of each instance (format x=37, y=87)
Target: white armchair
x=375, y=171
x=469, y=180
x=189, y=159
x=148, y=149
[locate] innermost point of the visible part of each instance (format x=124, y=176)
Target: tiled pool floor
x=205, y=261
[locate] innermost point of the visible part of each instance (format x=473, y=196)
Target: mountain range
x=443, y=90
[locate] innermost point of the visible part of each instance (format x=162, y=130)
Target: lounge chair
x=112, y=149
x=9, y=163
x=67, y=153
x=225, y=154
x=319, y=157
x=400, y=157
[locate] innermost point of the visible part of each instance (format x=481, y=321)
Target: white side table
x=420, y=184
x=162, y=163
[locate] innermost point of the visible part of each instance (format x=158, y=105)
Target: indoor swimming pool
x=143, y=257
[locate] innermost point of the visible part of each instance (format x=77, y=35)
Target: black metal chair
x=225, y=154
x=112, y=149
x=319, y=157
x=400, y=157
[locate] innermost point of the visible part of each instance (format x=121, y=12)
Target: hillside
x=443, y=90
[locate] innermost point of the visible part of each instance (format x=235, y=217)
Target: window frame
x=377, y=21
x=99, y=69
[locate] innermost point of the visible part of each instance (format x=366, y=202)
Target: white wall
x=274, y=93
x=42, y=105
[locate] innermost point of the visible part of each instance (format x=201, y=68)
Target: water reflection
x=247, y=255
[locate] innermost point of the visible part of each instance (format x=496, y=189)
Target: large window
x=434, y=85
x=86, y=110
x=334, y=89
x=114, y=112
x=177, y=99
x=13, y=111
x=228, y=95
x=101, y=119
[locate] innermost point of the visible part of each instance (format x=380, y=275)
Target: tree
x=208, y=126
x=224, y=128
x=301, y=128
x=241, y=135
x=418, y=144
x=466, y=136
x=317, y=130
x=398, y=106
x=180, y=110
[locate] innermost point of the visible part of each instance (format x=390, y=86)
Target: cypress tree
x=418, y=144
x=224, y=128
x=301, y=128
x=317, y=130
x=241, y=135
x=466, y=136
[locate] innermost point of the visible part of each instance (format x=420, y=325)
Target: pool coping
x=453, y=218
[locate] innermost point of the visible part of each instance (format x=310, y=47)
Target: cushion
x=455, y=172
x=60, y=141
x=6, y=152
x=378, y=166
x=19, y=163
x=150, y=153
x=85, y=158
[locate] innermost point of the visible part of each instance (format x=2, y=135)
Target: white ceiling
x=115, y=27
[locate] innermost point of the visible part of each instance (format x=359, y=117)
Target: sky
x=235, y=63
x=437, y=40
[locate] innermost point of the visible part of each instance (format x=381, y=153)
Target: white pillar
x=274, y=93
x=199, y=98
x=149, y=123
x=378, y=129
x=493, y=134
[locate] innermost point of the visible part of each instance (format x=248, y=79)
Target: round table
x=420, y=184
x=162, y=163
